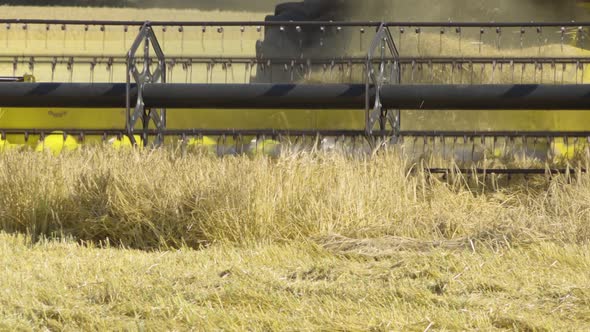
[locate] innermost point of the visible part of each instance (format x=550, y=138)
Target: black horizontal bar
x=487, y=97
x=298, y=23
x=292, y=96
x=352, y=96
x=99, y=95
x=471, y=136
x=506, y=171
x=196, y=132
x=300, y=96
x=193, y=23
x=60, y=58
x=475, y=134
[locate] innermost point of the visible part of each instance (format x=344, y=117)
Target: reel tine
x=483, y=148
x=440, y=44
x=540, y=38
x=458, y=31
x=431, y=154
x=472, y=149
x=550, y=143
x=444, y=147
x=224, y=143
x=567, y=148
x=237, y=141
x=494, y=141
x=217, y=145
x=454, y=147
x=481, y=33
x=419, y=38
x=464, y=158
x=183, y=141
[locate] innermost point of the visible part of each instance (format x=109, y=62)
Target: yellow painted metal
x=48, y=118
x=234, y=42
x=290, y=119
x=56, y=143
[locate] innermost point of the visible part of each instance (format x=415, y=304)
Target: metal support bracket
x=376, y=78
x=157, y=117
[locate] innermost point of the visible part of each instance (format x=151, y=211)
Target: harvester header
x=464, y=86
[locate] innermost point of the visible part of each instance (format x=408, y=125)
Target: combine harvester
x=467, y=94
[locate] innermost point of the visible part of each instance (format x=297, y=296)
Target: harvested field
x=59, y=285
x=162, y=240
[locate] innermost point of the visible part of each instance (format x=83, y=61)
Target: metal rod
x=200, y=132
x=11, y=79
x=68, y=131
x=352, y=96
x=303, y=132
x=494, y=133
x=300, y=96
x=298, y=23
x=292, y=96
x=487, y=97
x=121, y=59
x=95, y=95
x=506, y=171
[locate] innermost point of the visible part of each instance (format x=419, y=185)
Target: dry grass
x=306, y=241
x=59, y=285
x=168, y=198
